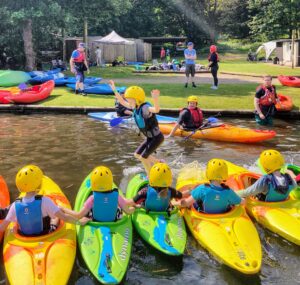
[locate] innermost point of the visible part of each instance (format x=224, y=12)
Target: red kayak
x=291, y=81
x=32, y=94
x=4, y=198
x=286, y=103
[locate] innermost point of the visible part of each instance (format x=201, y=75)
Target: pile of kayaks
x=102, y=89
x=291, y=81
x=10, y=78
x=26, y=96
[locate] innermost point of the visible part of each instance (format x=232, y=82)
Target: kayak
x=286, y=103
x=109, y=116
x=281, y=218
x=104, y=246
x=291, y=81
x=12, y=78
x=162, y=230
x=41, y=73
x=223, y=132
x=103, y=89
x=4, y=198
x=32, y=94
x=230, y=237
x=44, y=77
x=72, y=80
x=46, y=259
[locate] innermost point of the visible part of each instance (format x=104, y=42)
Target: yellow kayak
x=230, y=237
x=46, y=259
x=282, y=218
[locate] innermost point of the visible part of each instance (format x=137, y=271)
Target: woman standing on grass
x=213, y=59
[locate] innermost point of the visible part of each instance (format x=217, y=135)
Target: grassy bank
x=174, y=96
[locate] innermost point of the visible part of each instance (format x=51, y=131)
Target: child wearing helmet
x=35, y=214
x=105, y=200
x=157, y=195
x=190, y=118
x=121, y=110
x=274, y=186
x=213, y=59
x=214, y=197
x=145, y=118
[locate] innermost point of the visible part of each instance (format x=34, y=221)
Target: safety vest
x=145, y=125
x=269, y=98
x=211, y=55
x=196, y=116
x=105, y=205
x=154, y=202
x=29, y=216
x=278, y=192
x=80, y=56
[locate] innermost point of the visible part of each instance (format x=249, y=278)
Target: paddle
x=22, y=86
x=117, y=121
x=210, y=120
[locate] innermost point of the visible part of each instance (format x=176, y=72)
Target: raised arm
x=156, y=108
x=118, y=96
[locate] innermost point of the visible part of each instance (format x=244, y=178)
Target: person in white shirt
x=98, y=53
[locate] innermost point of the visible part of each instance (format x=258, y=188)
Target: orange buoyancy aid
x=269, y=98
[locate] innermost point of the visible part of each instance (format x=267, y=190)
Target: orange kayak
x=286, y=103
x=291, y=81
x=4, y=197
x=223, y=132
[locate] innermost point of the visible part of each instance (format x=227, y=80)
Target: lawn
x=174, y=96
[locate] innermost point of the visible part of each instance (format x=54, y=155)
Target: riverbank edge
x=34, y=109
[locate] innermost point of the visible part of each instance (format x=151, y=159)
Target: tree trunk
x=85, y=31
x=28, y=45
x=64, y=44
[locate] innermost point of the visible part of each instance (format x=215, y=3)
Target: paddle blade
x=212, y=120
x=116, y=121
x=22, y=86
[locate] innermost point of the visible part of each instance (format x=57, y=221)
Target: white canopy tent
x=269, y=47
x=114, y=38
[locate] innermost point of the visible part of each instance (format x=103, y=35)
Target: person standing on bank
x=190, y=57
x=79, y=65
x=162, y=54
x=98, y=54
x=213, y=59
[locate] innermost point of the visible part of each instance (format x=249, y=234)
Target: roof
x=114, y=38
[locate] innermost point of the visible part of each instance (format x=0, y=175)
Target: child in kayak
x=35, y=214
x=121, y=110
x=157, y=195
x=105, y=199
x=213, y=197
x=144, y=116
x=274, y=186
x=265, y=101
x=190, y=118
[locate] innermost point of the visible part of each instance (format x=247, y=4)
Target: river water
x=68, y=147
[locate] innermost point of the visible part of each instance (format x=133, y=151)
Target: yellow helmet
x=29, y=178
x=217, y=169
x=271, y=160
x=193, y=99
x=137, y=93
x=160, y=175
x=101, y=179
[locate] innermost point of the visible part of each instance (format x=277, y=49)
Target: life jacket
x=269, y=98
x=29, y=216
x=105, y=205
x=154, y=202
x=120, y=109
x=209, y=56
x=196, y=116
x=278, y=192
x=80, y=56
x=145, y=125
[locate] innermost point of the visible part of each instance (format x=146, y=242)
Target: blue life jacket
x=278, y=192
x=29, y=216
x=145, y=125
x=105, y=205
x=154, y=202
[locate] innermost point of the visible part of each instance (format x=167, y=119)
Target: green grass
x=238, y=97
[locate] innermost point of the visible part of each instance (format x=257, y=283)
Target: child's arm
x=155, y=94
x=118, y=96
x=184, y=203
x=78, y=215
x=4, y=225
x=256, y=105
x=173, y=131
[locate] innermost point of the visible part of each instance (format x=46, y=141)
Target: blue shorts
x=79, y=75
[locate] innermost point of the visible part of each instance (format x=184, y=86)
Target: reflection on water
x=67, y=147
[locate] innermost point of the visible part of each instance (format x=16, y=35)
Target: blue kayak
x=103, y=89
x=72, y=80
x=108, y=116
x=41, y=73
x=45, y=77
x=134, y=63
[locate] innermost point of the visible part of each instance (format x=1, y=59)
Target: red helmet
x=213, y=48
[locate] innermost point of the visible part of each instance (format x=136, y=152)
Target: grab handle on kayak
x=168, y=240
x=107, y=261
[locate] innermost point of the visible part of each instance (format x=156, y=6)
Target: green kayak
x=164, y=231
x=105, y=246
x=12, y=78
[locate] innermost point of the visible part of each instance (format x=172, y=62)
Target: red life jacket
x=80, y=58
x=196, y=115
x=269, y=98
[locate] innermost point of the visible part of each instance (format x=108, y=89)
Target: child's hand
x=84, y=220
x=112, y=84
x=155, y=93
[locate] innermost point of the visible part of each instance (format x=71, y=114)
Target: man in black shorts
x=190, y=57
